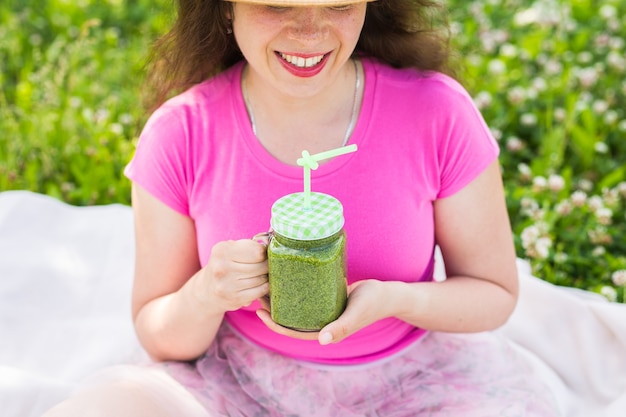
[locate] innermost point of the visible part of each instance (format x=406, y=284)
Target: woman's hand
x=364, y=308
x=235, y=276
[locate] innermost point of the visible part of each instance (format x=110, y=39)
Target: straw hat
x=294, y=3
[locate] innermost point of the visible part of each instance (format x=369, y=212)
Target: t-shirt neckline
x=291, y=171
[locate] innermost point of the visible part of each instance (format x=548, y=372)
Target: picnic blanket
x=65, y=282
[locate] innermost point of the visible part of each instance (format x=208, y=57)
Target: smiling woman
x=256, y=85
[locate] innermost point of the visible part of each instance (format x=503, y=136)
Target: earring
x=229, y=30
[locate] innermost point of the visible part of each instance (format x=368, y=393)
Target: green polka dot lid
x=293, y=219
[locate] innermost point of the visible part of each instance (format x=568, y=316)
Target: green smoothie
x=307, y=261
x=307, y=281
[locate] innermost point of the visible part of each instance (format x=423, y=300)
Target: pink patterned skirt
x=443, y=374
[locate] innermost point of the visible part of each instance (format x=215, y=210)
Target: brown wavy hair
x=401, y=33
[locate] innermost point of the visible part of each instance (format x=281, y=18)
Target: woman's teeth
x=302, y=62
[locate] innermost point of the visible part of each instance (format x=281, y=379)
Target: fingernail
x=325, y=338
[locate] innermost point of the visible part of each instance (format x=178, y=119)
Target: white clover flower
x=581, y=106
x=563, y=208
x=609, y=293
x=526, y=17
x=529, y=206
x=540, y=183
x=585, y=57
x=595, y=203
x=553, y=67
x=542, y=247
x=604, y=216
x=617, y=43
x=532, y=93
x=535, y=241
x=543, y=227
x=616, y=61
x=619, y=278
x=560, y=114
x=621, y=189
x=501, y=35
x=556, y=183
x=101, y=115
x=496, y=67
x=515, y=144
x=528, y=119
x=608, y=11
x=496, y=133
x=539, y=84
x=508, y=50
x=75, y=102
x=599, y=236
x=87, y=113
x=483, y=100
x=538, y=215
x=586, y=97
x=561, y=257
x=611, y=117
x=585, y=185
x=598, y=251
x=117, y=128
x=587, y=77
x=68, y=187
x=525, y=171
x=126, y=118
x=579, y=198
x=517, y=95
x=622, y=126
x=456, y=28
x=530, y=235
x=570, y=26
x=600, y=106
x=602, y=40
x=610, y=197
x=601, y=147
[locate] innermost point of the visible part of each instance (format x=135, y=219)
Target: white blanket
x=65, y=281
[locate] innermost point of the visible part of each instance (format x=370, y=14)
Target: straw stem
x=309, y=162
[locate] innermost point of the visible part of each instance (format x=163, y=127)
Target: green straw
x=310, y=162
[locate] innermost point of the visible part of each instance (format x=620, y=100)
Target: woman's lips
x=303, y=65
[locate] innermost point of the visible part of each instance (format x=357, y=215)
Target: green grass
x=70, y=105
x=550, y=80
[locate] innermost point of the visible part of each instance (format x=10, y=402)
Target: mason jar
x=307, y=261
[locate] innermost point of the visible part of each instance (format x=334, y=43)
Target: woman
x=258, y=83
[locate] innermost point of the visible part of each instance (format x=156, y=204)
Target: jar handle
x=264, y=238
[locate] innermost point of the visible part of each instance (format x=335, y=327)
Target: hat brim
x=296, y=3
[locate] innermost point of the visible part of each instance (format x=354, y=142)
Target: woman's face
x=297, y=50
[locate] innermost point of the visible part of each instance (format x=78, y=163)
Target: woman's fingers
x=265, y=316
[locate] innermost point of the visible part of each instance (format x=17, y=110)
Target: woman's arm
x=473, y=231
x=177, y=306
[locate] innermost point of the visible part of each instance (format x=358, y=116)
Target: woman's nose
x=309, y=25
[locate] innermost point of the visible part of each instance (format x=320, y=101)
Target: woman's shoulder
x=193, y=108
x=205, y=94
x=411, y=79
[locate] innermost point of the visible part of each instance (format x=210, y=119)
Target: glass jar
x=307, y=262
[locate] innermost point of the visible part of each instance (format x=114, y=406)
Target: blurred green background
x=549, y=77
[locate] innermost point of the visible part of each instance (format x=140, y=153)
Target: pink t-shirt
x=419, y=136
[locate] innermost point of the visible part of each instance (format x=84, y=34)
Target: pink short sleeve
x=467, y=146
x=159, y=164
